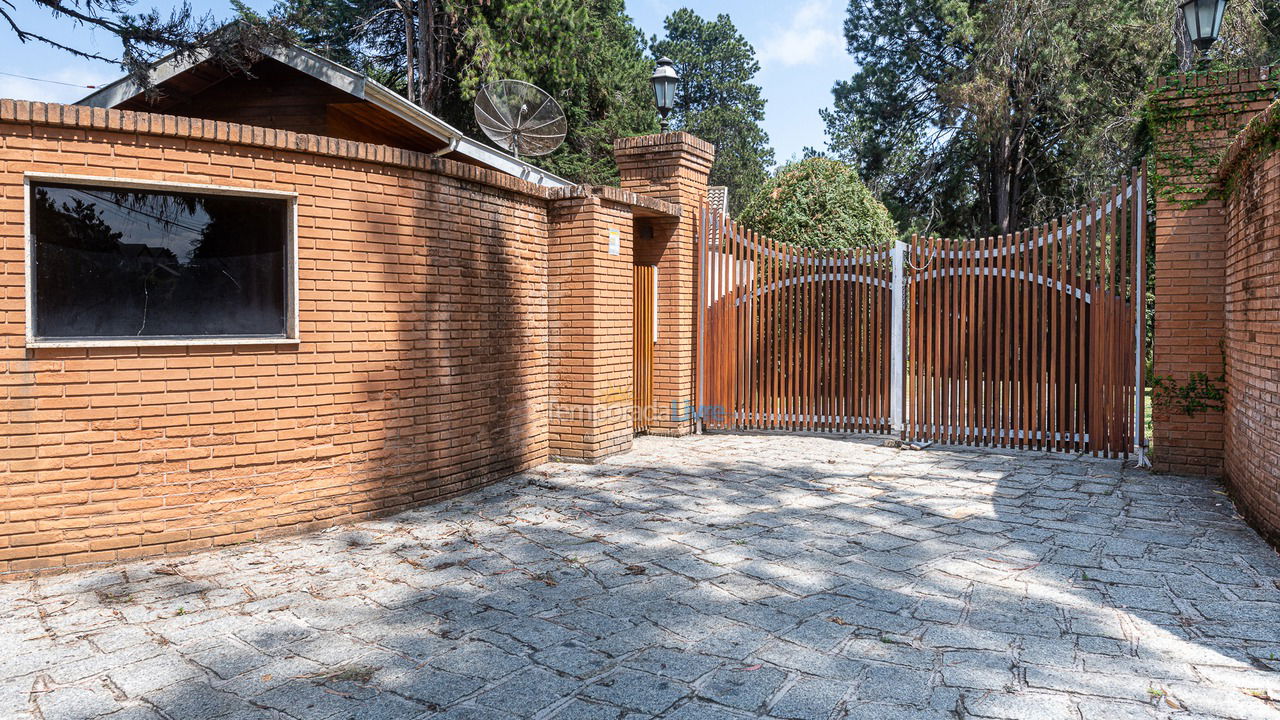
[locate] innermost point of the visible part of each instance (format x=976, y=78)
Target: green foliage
x=1199, y=394
x=717, y=100
x=819, y=203
x=588, y=55
x=975, y=117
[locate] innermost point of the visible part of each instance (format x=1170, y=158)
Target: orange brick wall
x=591, y=290
x=673, y=167
x=1203, y=113
x=1252, y=308
x=424, y=367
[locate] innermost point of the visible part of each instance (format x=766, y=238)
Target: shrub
x=819, y=203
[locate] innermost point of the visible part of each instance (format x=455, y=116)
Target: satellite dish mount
x=520, y=118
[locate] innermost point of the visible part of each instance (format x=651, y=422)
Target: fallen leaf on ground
x=839, y=620
x=635, y=570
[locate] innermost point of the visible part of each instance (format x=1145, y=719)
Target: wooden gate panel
x=792, y=338
x=1028, y=340
x=1023, y=340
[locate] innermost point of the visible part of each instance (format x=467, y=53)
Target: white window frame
x=290, y=337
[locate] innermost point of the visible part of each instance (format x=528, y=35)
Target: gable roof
x=452, y=142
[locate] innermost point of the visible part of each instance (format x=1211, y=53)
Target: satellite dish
x=520, y=118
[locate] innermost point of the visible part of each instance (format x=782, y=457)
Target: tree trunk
x=409, y=62
x=426, y=54
x=1000, y=185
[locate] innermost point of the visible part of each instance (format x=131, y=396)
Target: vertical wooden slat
x=1054, y=347
x=837, y=345
x=740, y=336
x=811, y=340
x=913, y=343
x=1097, y=239
x=1042, y=339
x=790, y=365
x=1066, y=288
x=1008, y=386
x=941, y=319
x=1026, y=291
x=955, y=364
x=886, y=345
x=982, y=336
x=1104, y=307
x=970, y=349
x=753, y=360
x=973, y=352
x=1114, y=295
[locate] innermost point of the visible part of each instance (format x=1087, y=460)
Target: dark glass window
x=113, y=262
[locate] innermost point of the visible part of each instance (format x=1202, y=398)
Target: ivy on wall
x=1200, y=393
x=1181, y=116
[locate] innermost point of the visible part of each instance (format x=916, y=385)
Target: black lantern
x=1204, y=20
x=665, y=80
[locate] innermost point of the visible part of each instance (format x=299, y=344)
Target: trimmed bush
x=819, y=203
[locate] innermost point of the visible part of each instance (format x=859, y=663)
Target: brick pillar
x=589, y=301
x=1194, y=118
x=672, y=167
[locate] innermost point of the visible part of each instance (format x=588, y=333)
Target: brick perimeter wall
x=423, y=369
x=1200, y=116
x=1252, y=432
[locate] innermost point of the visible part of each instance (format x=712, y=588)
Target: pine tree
x=970, y=117
x=588, y=55
x=717, y=100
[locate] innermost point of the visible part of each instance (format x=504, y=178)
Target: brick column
x=1194, y=118
x=589, y=301
x=672, y=167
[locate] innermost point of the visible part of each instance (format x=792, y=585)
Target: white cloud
x=814, y=34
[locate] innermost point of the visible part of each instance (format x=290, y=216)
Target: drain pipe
x=453, y=145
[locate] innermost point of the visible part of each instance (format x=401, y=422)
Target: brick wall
x=424, y=367
x=673, y=167
x=1197, y=116
x=591, y=380
x=1252, y=308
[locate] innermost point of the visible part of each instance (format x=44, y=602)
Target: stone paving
x=725, y=576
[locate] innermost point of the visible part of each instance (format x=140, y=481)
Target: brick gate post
x=589, y=306
x=672, y=167
x=1194, y=117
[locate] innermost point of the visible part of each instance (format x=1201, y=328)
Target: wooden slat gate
x=1030, y=340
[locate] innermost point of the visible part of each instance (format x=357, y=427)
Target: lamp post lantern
x=665, y=79
x=1204, y=20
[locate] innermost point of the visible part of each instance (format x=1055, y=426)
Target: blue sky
x=799, y=45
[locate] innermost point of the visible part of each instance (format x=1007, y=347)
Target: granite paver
x=720, y=576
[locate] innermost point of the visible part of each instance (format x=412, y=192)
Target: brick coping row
x=28, y=112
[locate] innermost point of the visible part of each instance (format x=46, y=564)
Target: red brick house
x=272, y=303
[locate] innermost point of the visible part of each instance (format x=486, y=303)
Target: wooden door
x=644, y=328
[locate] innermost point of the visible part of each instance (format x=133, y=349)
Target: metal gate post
x=898, y=355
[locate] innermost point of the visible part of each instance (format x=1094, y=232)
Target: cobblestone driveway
x=715, y=577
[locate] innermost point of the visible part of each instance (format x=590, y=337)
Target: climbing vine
x=1183, y=119
x=1200, y=393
